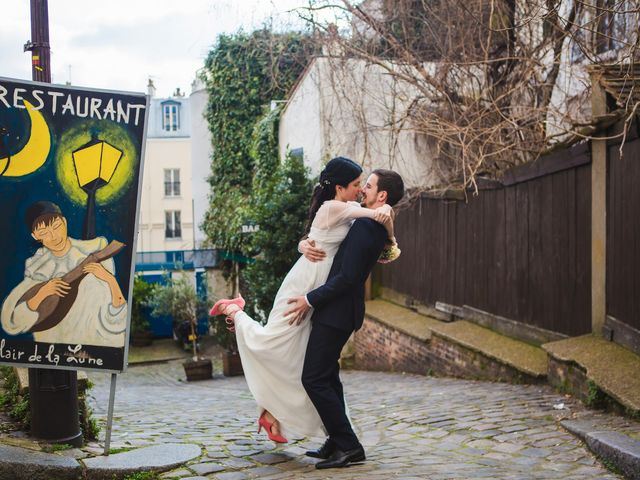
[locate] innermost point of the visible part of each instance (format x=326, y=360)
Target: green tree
x=280, y=207
x=243, y=74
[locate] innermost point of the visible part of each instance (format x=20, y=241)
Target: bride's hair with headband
x=339, y=171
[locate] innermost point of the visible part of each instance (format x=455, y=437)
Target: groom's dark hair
x=390, y=182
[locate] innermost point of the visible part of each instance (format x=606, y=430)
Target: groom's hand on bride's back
x=307, y=247
x=299, y=309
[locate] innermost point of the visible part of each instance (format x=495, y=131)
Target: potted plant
x=178, y=298
x=140, y=334
x=231, y=364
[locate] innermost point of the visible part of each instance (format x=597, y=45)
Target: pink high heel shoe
x=275, y=437
x=223, y=302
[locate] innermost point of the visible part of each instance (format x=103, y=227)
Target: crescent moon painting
x=70, y=187
x=34, y=153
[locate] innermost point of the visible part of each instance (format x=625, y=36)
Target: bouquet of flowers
x=390, y=253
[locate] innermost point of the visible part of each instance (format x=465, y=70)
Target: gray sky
x=120, y=44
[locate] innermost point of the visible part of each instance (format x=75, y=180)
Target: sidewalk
x=412, y=427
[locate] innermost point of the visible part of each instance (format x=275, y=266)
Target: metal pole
x=39, y=43
x=49, y=390
x=89, y=227
x=112, y=396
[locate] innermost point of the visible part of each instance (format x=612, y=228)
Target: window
x=172, y=182
x=170, y=116
x=604, y=27
x=578, y=44
x=173, y=228
x=608, y=25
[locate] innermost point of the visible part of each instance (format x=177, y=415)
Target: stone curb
x=620, y=450
x=18, y=463
x=22, y=464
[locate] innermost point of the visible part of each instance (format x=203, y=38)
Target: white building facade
x=166, y=206
x=201, y=150
x=175, y=185
x=347, y=108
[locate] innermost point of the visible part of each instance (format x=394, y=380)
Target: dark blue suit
x=338, y=311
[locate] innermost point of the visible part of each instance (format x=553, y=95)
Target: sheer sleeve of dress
x=334, y=212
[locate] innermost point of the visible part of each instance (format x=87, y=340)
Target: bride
x=273, y=355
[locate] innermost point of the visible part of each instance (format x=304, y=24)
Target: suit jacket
x=339, y=303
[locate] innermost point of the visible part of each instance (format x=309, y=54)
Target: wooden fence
x=623, y=230
x=521, y=250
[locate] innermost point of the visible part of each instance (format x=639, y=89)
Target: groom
x=338, y=311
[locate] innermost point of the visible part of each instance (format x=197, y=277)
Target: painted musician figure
x=69, y=293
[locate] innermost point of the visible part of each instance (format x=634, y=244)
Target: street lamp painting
x=71, y=182
x=95, y=164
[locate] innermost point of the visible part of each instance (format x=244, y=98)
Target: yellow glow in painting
x=118, y=160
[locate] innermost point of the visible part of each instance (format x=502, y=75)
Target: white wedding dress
x=273, y=355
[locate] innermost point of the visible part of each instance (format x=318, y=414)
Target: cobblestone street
x=411, y=427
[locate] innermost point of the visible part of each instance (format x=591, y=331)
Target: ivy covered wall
x=244, y=74
x=280, y=200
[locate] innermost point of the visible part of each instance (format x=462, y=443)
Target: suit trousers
x=321, y=380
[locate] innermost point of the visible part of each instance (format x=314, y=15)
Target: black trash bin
x=53, y=395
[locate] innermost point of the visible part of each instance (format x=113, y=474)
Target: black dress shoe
x=324, y=451
x=340, y=459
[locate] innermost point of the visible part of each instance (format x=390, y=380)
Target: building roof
x=621, y=81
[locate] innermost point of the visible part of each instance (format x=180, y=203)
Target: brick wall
x=456, y=360
x=568, y=377
x=379, y=347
